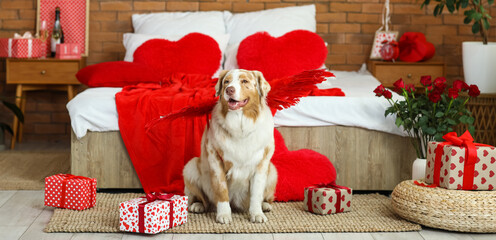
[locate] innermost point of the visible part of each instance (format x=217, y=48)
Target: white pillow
x=132, y=41
x=179, y=23
x=276, y=22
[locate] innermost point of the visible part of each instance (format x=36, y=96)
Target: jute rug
x=370, y=213
x=22, y=170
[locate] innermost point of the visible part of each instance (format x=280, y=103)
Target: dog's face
x=240, y=89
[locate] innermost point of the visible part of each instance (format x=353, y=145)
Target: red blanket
x=160, y=149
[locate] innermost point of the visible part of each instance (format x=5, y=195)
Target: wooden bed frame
x=364, y=159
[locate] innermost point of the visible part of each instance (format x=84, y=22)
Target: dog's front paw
x=266, y=207
x=197, y=207
x=224, y=218
x=258, y=217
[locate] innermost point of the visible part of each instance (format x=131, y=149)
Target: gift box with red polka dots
x=69, y=191
x=142, y=215
x=327, y=199
x=450, y=167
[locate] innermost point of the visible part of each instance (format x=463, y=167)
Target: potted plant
x=428, y=116
x=478, y=57
x=4, y=126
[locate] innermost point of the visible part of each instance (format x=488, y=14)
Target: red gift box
x=20, y=47
x=68, y=51
x=459, y=163
x=153, y=214
x=327, y=199
x=70, y=191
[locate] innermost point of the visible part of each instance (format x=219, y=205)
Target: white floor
x=23, y=216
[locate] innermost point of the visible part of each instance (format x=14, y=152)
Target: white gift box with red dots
x=70, y=192
x=327, y=199
x=157, y=216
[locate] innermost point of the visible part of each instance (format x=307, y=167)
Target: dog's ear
x=263, y=85
x=218, y=86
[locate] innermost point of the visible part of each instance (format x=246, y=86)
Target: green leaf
x=469, y=12
x=436, y=10
x=429, y=130
x=470, y=120
x=464, y=3
x=485, y=22
x=476, y=2
x=439, y=114
x=450, y=4
x=451, y=121
x=475, y=28
x=464, y=119
x=467, y=20
x=15, y=110
x=399, y=122
x=477, y=16
x=439, y=137
x=490, y=2
x=471, y=129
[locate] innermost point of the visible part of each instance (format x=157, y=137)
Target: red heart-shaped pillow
x=292, y=53
x=195, y=53
x=299, y=169
x=414, y=47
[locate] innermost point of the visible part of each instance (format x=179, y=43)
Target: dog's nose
x=230, y=91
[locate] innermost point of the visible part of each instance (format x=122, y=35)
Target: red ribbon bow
x=465, y=140
x=151, y=197
x=67, y=177
x=332, y=185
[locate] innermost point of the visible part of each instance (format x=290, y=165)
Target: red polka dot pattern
x=80, y=194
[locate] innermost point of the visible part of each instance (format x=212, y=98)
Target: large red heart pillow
x=195, y=53
x=117, y=74
x=284, y=56
x=298, y=169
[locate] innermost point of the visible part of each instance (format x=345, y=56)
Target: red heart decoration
x=126, y=225
x=429, y=164
x=130, y=209
x=490, y=187
x=330, y=211
x=445, y=172
x=478, y=160
x=483, y=180
x=429, y=150
x=447, y=158
x=485, y=153
x=452, y=180
x=459, y=186
x=342, y=198
x=460, y=173
x=348, y=204
x=484, y=166
x=324, y=193
x=317, y=199
x=476, y=173
x=491, y=173
x=442, y=179
x=323, y=206
x=475, y=187
x=330, y=199
x=453, y=152
x=195, y=53
x=493, y=160
x=292, y=53
x=428, y=176
x=452, y=166
x=462, y=159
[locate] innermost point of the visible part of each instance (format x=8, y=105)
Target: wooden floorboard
x=23, y=216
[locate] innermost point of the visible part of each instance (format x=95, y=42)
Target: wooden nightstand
x=40, y=74
x=388, y=72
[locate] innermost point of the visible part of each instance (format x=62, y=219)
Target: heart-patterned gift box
x=327, y=199
x=461, y=167
x=153, y=214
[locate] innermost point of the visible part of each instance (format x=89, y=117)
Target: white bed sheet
x=94, y=109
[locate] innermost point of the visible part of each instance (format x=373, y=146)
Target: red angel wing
x=287, y=91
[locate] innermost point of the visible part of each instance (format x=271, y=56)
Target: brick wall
x=347, y=25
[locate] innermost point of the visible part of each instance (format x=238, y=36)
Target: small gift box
x=153, y=214
x=21, y=46
x=459, y=163
x=68, y=51
x=327, y=199
x=70, y=191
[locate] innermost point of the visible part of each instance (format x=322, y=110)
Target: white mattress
x=94, y=109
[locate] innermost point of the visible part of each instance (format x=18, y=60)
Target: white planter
x=418, y=168
x=479, y=65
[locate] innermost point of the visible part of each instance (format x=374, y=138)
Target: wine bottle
x=57, y=33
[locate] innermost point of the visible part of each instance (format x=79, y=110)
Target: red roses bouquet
x=428, y=116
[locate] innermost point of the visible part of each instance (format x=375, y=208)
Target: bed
x=367, y=149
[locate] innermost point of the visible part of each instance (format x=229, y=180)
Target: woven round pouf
x=454, y=210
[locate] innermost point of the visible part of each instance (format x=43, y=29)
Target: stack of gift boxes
x=150, y=214
x=461, y=164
